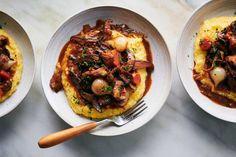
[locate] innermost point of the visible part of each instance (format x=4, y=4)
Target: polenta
x=103, y=70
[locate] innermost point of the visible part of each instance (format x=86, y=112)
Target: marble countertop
x=180, y=129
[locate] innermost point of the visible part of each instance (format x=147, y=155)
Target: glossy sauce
x=149, y=71
x=219, y=99
x=148, y=81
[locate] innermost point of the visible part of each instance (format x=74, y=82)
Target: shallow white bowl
x=23, y=42
x=185, y=55
x=161, y=76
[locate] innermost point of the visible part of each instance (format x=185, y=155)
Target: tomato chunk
x=4, y=75
x=116, y=59
x=136, y=79
x=205, y=44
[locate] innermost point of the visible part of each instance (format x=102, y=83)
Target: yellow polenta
x=136, y=46
x=209, y=29
x=18, y=67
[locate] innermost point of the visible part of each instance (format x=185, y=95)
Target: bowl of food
x=99, y=64
x=206, y=58
x=16, y=63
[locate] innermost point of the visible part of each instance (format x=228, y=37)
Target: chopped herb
x=84, y=63
x=196, y=33
x=201, y=40
x=116, y=73
x=235, y=13
x=126, y=68
x=109, y=88
x=100, y=62
x=86, y=83
x=103, y=88
x=134, y=49
x=214, y=49
x=90, y=106
x=84, y=50
x=216, y=63
x=84, y=55
x=107, y=100
x=76, y=100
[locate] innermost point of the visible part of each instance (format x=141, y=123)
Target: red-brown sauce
x=219, y=99
x=149, y=71
x=148, y=80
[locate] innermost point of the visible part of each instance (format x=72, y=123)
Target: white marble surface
x=180, y=129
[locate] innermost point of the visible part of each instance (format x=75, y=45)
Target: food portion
x=10, y=66
x=104, y=70
x=215, y=60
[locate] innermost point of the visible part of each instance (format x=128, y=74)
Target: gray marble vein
x=180, y=129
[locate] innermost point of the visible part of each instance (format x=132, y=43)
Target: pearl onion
x=98, y=86
x=218, y=74
x=118, y=43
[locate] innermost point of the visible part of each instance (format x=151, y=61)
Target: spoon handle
x=64, y=135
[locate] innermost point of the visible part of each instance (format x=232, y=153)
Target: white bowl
x=185, y=50
x=22, y=40
x=161, y=76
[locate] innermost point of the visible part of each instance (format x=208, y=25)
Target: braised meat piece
x=3, y=61
x=231, y=82
x=3, y=41
x=6, y=85
x=55, y=82
x=90, y=98
x=102, y=73
x=231, y=65
x=232, y=44
x=142, y=64
x=111, y=58
x=6, y=62
x=107, y=27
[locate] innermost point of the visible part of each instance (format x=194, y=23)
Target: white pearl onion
x=218, y=74
x=98, y=86
x=118, y=43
